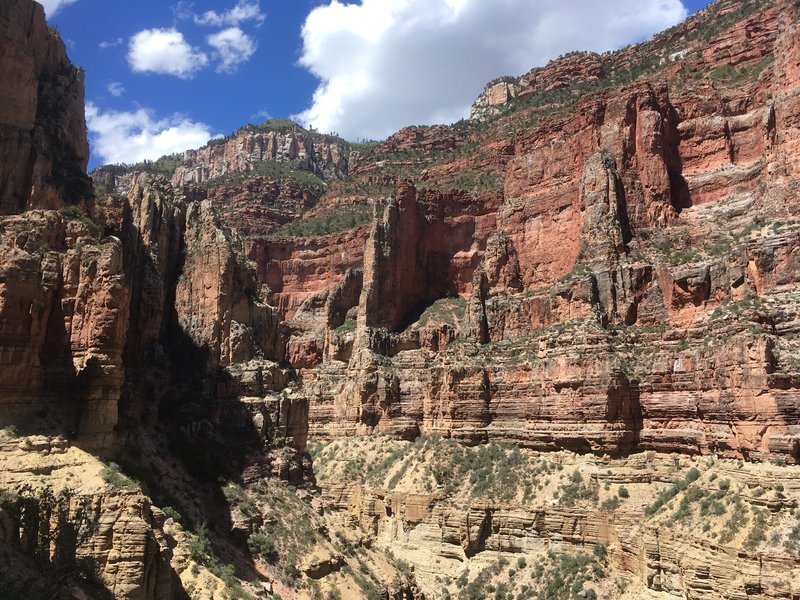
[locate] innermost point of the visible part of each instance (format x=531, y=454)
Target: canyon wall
x=43, y=145
x=249, y=147
x=602, y=263
x=634, y=289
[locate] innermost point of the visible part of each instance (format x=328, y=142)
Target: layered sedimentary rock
x=576, y=67
x=43, y=145
x=295, y=269
x=450, y=531
x=117, y=538
x=627, y=292
x=249, y=147
x=64, y=302
x=604, y=261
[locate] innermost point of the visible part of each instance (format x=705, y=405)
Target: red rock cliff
x=635, y=288
x=43, y=146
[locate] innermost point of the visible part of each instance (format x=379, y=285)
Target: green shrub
x=263, y=546
x=610, y=504
x=757, y=533
x=575, y=490
x=668, y=494
x=112, y=476
x=73, y=213
x=172, y=513
x=200, y=545
x=735, y=522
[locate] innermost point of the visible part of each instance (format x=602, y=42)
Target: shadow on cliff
x=624, y=407
x=186, y=435
x=679, y=187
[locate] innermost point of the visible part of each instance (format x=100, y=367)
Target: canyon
x=549, y=351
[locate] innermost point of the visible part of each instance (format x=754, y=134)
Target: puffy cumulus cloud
x=241, y=12
x=385, y=64
x=164, y=51
x=51, y=7
x=130, y=137
x=233, y=47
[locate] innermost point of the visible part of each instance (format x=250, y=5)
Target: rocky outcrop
x=296, y=269
x=573, y=68
x=43, y=146
x=425, y=139
x=452, y=530
x=258, y=205
x=607, y=265
x=117, y=538
x=64, y=304
x=217, y=298
x=245, y=150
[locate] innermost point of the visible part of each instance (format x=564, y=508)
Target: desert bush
x=111, y=475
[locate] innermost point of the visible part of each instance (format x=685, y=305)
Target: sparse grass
x=348, y=326
x=493, y=470
x=732, y=76
x=668, y=494
x=290, y=530
x=326, y=222
x=757, y=533
x=445, y=310
x=576, y=490
x=202, y=552
x=738, y=519
x=273, y=170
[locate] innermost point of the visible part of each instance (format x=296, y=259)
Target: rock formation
x=593, y=243
x=598, y=272
x=249, y=147
x=43, y=145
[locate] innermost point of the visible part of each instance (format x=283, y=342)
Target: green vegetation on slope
x=326, y=222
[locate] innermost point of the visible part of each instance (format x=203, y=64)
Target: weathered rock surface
x=608, y=263
x=64, y=305
x=450, y=530
x=43, y=145
x=624, y=244
x=249, y=147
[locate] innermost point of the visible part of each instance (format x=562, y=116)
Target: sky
x=166, y=75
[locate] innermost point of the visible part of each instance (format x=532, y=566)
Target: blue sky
x=162, y=76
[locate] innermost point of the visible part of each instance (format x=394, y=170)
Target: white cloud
x=51, y=7
x=385, y=64
x=104, y=45
x=233, y=47
x=115, y=88
x=130, y=137
x=260, y=116
x=243, y=11
x=164, y=51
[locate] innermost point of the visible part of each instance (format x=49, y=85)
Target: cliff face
x=624, y=294
x=64, y=303
x=249, y=148
x=515, y=521
x=43, y=145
